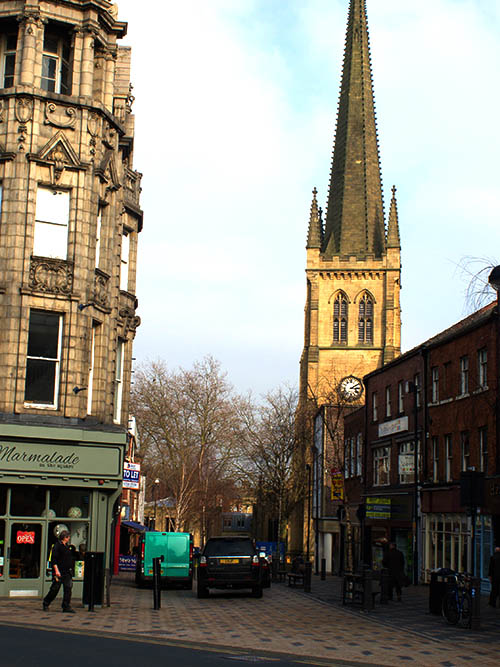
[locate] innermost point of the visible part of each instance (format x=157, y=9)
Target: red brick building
x=443, y=395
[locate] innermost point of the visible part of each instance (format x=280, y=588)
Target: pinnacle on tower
x=393, y=225
x=355, y=214
x=315, y=232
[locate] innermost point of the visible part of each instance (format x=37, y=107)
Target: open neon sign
x=25, y=537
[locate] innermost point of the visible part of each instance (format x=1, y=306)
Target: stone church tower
x=352, y=311
x=69, y=227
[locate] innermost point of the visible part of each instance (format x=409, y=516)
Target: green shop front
x=53, y=479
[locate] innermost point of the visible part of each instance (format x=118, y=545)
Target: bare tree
x=475, y=270
x=188, y=428
x=269, y=445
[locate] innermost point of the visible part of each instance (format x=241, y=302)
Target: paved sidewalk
x=412, y=614
x=314, y=626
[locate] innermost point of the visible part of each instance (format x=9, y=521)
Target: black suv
x=230, y=562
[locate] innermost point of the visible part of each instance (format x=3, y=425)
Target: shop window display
x=27, y=500
x=3, y=500
x=68, y=503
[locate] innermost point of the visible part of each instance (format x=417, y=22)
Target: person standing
x=394, y=561
x=62, y=563
x=494, y=576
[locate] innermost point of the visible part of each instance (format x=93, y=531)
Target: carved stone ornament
x=130, y=320
x=60, y=116
x=24, y=109
x=93, y=128
x=101, y=293
x=51, y=276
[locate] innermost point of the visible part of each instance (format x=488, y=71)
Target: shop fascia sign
x=394, y=426
x=378, y=508
x=131, y=475
x=38, y=457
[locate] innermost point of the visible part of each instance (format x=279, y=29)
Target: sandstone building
x=70, y=218
x=352, y=312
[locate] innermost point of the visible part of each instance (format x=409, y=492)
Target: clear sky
x=235, y=109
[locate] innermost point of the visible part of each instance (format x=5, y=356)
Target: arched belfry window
x=340, y=319
x=365, y=320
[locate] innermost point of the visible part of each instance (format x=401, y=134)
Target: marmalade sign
x=82, y=459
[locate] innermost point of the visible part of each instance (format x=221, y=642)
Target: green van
x=177, y=563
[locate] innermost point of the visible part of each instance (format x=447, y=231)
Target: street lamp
x=308, y=468
x=155, y=491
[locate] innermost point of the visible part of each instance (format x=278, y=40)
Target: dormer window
x=56, y=63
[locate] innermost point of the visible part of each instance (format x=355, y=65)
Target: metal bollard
x=384, y=586
x=156, y=583
x=367, y=589
x=475, y=591
x=323, y=569
x=92, y=582
x=307, y=577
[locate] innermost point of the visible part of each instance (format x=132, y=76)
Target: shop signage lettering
x=337, y=485
x=127, y=563
x=394, y=426
x=49, y=457
x=25, y=537
x=378, y=508
x=11, y=453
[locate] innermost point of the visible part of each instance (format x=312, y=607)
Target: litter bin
x=437, y=589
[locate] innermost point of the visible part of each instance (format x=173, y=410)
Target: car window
x=229, y=547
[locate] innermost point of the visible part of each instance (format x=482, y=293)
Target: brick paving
x=314, y=626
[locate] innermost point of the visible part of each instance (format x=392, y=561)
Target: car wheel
x=257, y=591
x=202, y=591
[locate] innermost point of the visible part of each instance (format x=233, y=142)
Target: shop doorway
x=24, y=566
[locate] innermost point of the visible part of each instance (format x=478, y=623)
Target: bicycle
x=457, y=603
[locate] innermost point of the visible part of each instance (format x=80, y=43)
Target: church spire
x=355, y=215
x=315, y=232
x=393, y=225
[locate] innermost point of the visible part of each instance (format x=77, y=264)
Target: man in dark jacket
x=394, y=561
x=62, y=573
x=494, y=575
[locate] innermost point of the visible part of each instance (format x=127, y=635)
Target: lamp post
x=155, y=491
x=413, y=388
x=308, y=468
x=494, y=281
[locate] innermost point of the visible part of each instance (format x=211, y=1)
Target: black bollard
x=92, y=582
x=156, y=584
x=384, y=586
x=475, y=591
x=367, y=589
x=307, y=577
x=323, y=569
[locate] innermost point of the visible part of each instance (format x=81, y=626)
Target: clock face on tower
x=350, y=388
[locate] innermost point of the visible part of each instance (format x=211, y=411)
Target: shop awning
x=133, y=525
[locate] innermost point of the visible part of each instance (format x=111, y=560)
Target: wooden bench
x=295, y=579
x=280, y=575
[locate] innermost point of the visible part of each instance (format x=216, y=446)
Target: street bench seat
x=295, y=579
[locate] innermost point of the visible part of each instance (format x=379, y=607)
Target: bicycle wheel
x=466, y=611
x=450, y=608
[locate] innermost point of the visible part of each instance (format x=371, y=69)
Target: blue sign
x=127, y=563
x=269, y=548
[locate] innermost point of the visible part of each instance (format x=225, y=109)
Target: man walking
x=62, y=573
x=494, y=575
x=394, y=561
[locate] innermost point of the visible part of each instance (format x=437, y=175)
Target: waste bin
x=93, y=578
x=437, y=589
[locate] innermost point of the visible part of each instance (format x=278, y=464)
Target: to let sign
x=131, y=475
x=25, y=537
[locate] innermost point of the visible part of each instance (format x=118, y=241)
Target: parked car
x=230, y=563
x=177, y=563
